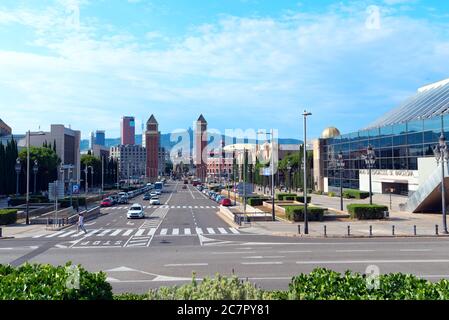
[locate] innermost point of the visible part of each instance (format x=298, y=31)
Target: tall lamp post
x=35, y=170
x=289, y=168
x=29, y=134
x=442, y=155
x=340, y=166
x=306, y=220
x=273, y=195
x=18, y=168
x=370, y=161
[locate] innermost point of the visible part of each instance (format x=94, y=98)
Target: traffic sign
x=75, y=189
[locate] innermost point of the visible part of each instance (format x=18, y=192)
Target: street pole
x=28, y=180
x=306, y=220
x=18, y=169
x=441, y=154
x=85, y=180
x=273, y=211
x=102, y=175
x=370, y=187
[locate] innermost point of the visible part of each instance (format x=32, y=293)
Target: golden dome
x=330, y=133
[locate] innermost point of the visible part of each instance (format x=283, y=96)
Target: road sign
x=75, y=189
x=265, y=172
x=55, y=190
x=241, y=188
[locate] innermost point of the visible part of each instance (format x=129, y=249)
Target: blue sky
x=242, y=63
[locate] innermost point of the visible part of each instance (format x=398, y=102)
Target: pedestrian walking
x=9, y=201
x=81, y=222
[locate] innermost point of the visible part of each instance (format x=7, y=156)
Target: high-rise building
x=152, y=138
x=100, y=138
x=200, y=148
x=128, y=131
x=5, y=130
x=131, y=161
x=92, y=141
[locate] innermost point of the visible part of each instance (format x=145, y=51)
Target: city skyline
x=241, y=64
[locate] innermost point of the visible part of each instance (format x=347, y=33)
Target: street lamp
x=442, y=155
x=289, y=168
x=306, y=220
x=273, y=212
x=370, y=161
x=18, y=169
x=35, y=170
x=340, y=166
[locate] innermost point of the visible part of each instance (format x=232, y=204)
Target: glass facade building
x=399, y=138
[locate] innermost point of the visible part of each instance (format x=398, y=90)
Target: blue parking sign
x=75, y=189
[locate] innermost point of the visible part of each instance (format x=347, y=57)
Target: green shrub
x=301, y=199
x=296, y=213
x=281, y=196
x=355, y=194
x=219, y=288
x=46, y=282
x=256, y=201
x=8, y=216
x=289, y=198
x=331, y=194
x=366, y=211
x=17, y=201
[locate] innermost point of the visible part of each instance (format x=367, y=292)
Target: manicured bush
x=301, y=199
x=296, y=213
x=331, y=194
x=323, y=284
x=355, y=194
x=281, y=196
x=17, y=201
x=46, y=282
x=366, y=211
x=256, y=201
x=219, y=288
x=289, y=198
x=8, y=216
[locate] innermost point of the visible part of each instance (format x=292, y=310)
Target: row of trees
x=110, y=167
x=290, y=171
x=47, y=164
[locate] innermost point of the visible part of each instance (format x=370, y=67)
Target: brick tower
x=152, y=148
x=200, y=148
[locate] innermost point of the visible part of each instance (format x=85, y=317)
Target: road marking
x=164, y=232
x=372, y=261
x=199, y=231
x=186, y=264
x=222, y=231
x=78, y=234
x=39, y=236
x=175, y=232
x=55, y=234
x=116, y=232
x=415, y=250
x=235, y=252
x=139, y=232
x=234, y=230
x=296, y=251
x=263, y=263
x=264, y=257
x=210, y=231
x=152, y=231
x=105, y=232
x=128, y=232
x=359, y=250
x=187, y=231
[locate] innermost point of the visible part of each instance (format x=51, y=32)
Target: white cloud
x=329, y=62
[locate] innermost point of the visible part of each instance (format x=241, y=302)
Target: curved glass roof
x=428, y=102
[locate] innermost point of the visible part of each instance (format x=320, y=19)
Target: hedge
x=355, y=194
x=301, y=199
x=256, y=201
x=65, y=203
x=8, y=216
x=32, y=199
x=366, y=211
x=280, y=196
x=46, y=282
x=296, y=213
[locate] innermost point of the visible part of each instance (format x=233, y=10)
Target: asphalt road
x=184, y=236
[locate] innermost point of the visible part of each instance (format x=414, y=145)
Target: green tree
x=88, y=160
x=48, y=162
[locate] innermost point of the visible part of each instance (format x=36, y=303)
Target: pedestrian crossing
x=163, y=207
x=141, y=232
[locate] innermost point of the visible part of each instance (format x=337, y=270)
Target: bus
x=159, y=186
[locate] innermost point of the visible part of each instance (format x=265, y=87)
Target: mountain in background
x=167, y=144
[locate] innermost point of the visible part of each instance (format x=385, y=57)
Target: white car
x=153, y=194
x=155, y=201
x=136, y=211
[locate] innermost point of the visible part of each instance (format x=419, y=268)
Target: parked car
x=225, y=202
x=136, y=211
x=106, y=202
x=123, y=200
x=218, y=198
x=155, y=201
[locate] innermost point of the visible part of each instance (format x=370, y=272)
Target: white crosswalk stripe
x=128, y=232
x=139, y=232
x=116, y=232
x=199, y=231
x=187, y=231
x=164, y=232
x=210, y=231
x=55, y=234
x=222, y=231
x=152, y=231
x=104, y=233
x=234, y=230
x=175, y=232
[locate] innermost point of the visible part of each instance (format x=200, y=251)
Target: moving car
x=106, y=203
x=153, y=194
x=136, y=211
x=184, y=187
x=225, y=202
x=147, y=196
x=155, y=201
x=123, y=200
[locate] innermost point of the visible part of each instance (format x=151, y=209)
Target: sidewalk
x=24, y=231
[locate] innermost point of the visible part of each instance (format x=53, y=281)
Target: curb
x=295, y=235
x=228, y=221
x=6, y=238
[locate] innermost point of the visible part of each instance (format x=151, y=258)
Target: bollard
x=414, y=230
x=370, y=231
x=436, y=229
x=0, y=232
x=299, y=229
x=392, y=230
x=349, y=231
x=325, y=231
